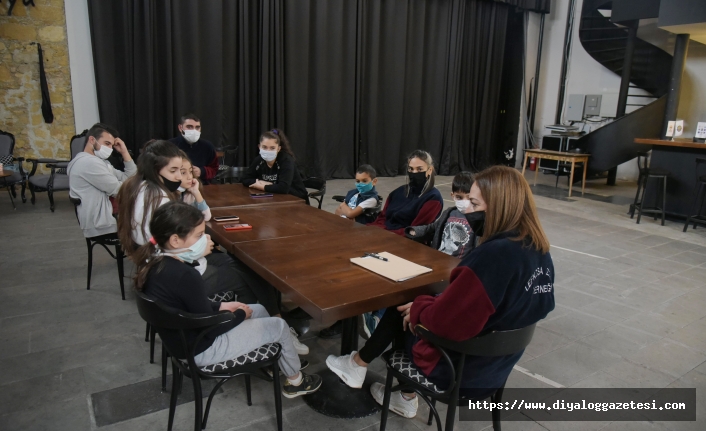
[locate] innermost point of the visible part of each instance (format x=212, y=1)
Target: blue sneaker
x=370, y=322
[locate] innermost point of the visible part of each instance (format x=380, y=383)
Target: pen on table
x=375, y=256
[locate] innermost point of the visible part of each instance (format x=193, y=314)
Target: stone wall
x=20, y=93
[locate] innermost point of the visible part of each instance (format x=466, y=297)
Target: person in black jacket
x=165, y=274
x=274, y=170
x=451, y=233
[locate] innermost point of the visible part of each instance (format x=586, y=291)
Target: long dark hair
x=279, y=136
x=169, y=219
x=156, y=156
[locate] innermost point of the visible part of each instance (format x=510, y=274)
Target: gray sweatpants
x=252, y=333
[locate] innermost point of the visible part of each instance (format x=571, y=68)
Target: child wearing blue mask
x=363, y=197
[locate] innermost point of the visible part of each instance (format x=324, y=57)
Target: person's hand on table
x=260, y=185
x=405, y=310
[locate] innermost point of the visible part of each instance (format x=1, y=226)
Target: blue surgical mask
x=195, y=252
x=364, y=187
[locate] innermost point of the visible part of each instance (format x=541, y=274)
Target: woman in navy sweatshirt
x=274, y=169
x=416, y=203
x=505, y=283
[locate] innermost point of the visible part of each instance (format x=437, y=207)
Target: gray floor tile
x=620, y=340
x=69, y=414
x=651, y=240
x=638, y=375
x=545, y=341
x=689, y=258
x=570, y=364
x=697, y=273
x=574, y=326
x=609, y=310
x=44, y=389
x=668, y=357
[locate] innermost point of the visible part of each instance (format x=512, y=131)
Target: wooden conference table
x=559, y=156
x=305, y=253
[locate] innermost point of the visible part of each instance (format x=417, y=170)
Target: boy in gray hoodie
x=94, y=180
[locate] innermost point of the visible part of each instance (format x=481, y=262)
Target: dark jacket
x=363, y=218
x=404, y=209
x=431, y=234
x=284, y=176
x=202, y=154
x=501, y=285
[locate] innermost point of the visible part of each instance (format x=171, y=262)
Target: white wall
x=83, y=81
x=587, y=76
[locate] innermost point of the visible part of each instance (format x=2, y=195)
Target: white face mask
x=268, y=156
x=192, y=136
x=462, y=205
x=103, y=152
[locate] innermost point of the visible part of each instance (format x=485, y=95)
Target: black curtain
x=351, y=82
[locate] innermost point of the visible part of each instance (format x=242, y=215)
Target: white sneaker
x=399, y=405
x=350, y=372
x=302, y=349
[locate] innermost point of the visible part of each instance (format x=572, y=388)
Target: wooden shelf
x=681, y=144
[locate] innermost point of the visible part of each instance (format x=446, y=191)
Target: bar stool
x=646, y=173
x=700, y=193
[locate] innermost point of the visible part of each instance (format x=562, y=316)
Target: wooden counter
x=680, y=144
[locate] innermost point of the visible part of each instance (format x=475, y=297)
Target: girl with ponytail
x=165, y=274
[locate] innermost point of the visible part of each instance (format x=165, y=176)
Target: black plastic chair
x=699, y=193
x=57, y=179
x=400, y=366
x=317, y=184
x=104, y=241
x=250, y=364
x=645, y=174
x=7, y=158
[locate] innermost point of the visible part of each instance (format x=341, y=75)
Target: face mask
x=195, y=252
x=462, y=205
x=172, y=186
x=417, y=179
x=477, y=221
x=364, y=187
x=192, y=136
x=268, y=156
x=103, y=152
x=181, y=189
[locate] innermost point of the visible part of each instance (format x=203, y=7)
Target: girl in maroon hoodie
x=505, y=283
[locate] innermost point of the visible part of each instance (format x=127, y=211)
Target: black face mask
x=476, y=220
x=417, y=179
x=172, y=186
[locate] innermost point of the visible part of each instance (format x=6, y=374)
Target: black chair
x=645, y=174
x=317, y=184
x=700, y=193
x=150, y=334
x=250, y=364
x=370, y=213
x=400, y=366
x=104, y=241
x=11, y=164
x=224, y=170
x=57, y=179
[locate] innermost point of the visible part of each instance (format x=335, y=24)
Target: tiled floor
x=631, y=307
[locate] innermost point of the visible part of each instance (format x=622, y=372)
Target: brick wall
x=20, y=94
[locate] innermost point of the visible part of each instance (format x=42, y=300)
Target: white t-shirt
x=137, y=235
x=368, y=203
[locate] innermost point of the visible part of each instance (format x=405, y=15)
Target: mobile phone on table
x=238, y=226
x=220, y=219
x=261, y=195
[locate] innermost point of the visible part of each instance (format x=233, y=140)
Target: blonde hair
x=510, y=206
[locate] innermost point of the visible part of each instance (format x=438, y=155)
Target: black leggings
x=389, y=330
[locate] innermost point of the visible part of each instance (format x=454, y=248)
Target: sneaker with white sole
x=302, y=349
x=344, y=367
x=310, y=384
x=399, y=405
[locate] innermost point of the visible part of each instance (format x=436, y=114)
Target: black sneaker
x=304, y=363
x=310, y=384
x=333, y=331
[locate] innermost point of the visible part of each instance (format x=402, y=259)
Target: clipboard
x=395, y=268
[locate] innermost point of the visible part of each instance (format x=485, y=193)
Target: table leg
x=583, y=180
x=536, y=169
x=524, y=165
x=335, y=398
x=571, y=178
